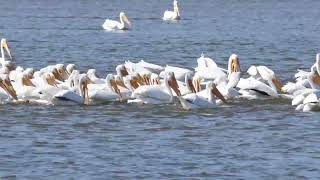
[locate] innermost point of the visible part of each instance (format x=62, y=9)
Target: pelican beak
x=63, y=74
x=134, y=83
x=146, y=79
x=155, y=81
x=217, y=93
x=124, y=72
x=120, y=83
x=125, y=19
x=51, y=81
x=116, y=89
x=85, y=94
x=197, y=85
x=316, y=79
x=7, y=86
x=174, y=85
x=235, y=65
x=27, y=82
x=277, y=83
x=193, y=90
x=140, y=80
x=6, y=47
x=57, y=75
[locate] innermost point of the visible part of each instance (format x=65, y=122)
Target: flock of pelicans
x=207, y=86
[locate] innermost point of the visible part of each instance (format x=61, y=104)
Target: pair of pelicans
x=125, y=24
x=207, y=86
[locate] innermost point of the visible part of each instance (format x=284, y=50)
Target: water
x=245, y=140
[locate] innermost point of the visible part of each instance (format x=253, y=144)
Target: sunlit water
x=245, y=139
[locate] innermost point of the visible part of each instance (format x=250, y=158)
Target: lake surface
x=243, y=140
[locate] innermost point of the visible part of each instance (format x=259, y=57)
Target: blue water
x=243, y=140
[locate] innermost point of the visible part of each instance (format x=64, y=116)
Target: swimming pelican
x=305, y=79
x=196, y=101
x=172, y=15
x=24, y=87
x=157, y=94
x=124, y=23
x=226, y=80
x=263, y=84
x=179, y=72
x=187, y=86
x=4, y=47
x=68, y=96
x=109, y=91
x=311, y=102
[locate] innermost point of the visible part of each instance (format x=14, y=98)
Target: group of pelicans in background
x=207, y=86
x=125, y=24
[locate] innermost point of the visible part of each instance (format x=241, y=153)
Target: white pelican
x=197, y=100
x=109, y=91
x=263, y=84
x=226, y=80
x=24, y=87
x=187, y=87
x=205, y=62
x=67, y=96
x=311, y=102
x=157, y=94
x=124, y=23
x=172, y=15
x=305, y=79
x=179, y=72
x=6, y=91
x=4, y=47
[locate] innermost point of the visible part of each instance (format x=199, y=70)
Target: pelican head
x=176, y=7
x=234, y=64
x=173, y=83
x=70, y=68
x=188, y=81
x=113, y=85
x=61, y=71
x=9, y=65
x=29, y=72
x=315, y=74
x=214, y=90
x=6, y=85
x=91, y=73
x=50, y=79
x=131, y=82
x=124, y=18
x=138, y=78
x=121, y=70
x=4, y=45
x=26, y=80
x=83, y=88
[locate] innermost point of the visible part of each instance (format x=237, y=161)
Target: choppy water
x=245, y=140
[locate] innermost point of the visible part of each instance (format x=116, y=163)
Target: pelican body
x=172, y=15
x=124, y=23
